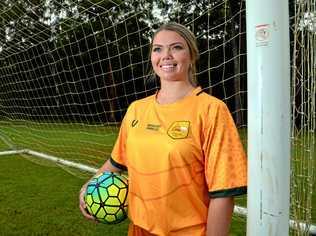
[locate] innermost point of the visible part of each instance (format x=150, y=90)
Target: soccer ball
x=106, y=197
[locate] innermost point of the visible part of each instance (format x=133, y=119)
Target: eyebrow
x=159, y=45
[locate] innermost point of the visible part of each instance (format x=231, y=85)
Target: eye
x=177, y=47
x=156, y=49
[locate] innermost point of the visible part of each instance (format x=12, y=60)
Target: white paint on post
x=268, y=117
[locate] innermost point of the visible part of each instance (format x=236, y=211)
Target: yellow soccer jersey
x=177, y=156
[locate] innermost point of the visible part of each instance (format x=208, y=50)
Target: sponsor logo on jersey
x=153, y=127
x=134, y=123
x=179, y=129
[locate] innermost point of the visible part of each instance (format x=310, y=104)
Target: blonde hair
x=190, y=39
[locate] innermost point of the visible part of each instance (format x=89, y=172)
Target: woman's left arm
x=219, y=216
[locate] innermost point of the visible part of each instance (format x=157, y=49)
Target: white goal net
x=69, y=69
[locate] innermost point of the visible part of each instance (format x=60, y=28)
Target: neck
x=173, y=91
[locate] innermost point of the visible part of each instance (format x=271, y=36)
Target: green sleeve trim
x=117, y=165
x=228, y=192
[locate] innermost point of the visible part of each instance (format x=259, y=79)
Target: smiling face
x=170, y=56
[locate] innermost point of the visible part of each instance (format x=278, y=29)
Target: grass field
x=41, y=198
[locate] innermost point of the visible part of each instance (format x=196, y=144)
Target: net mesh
x=69, y=69
x=303, y=179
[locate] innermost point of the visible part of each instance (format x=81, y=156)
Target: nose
x=167, y=53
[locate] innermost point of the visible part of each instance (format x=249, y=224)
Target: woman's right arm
x=107, y=166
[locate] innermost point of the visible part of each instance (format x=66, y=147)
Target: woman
x=181, y=148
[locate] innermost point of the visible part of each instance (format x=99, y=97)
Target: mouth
x=168, y=67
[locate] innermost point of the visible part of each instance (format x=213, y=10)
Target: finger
x=83, y=207
x=90, y=217
x=85, y=213
x=82, y=202
x=81, y=199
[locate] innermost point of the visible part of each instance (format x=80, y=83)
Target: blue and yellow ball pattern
x=106, y=197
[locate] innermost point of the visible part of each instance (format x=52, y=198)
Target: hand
x=82, y=204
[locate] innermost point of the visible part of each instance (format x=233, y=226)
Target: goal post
x=269, y=117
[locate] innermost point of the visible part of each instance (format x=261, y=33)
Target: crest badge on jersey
x=179, y=129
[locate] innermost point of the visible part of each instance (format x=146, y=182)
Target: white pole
x=61, y=161
x=12, y=152
x=268, y=117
